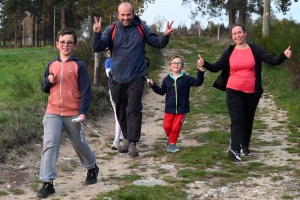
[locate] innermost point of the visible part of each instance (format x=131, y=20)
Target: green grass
x=68, y=166
x=3, y=193
x=133, y=192
x=21, y=73
x=22, y=102
x=16, y=191
x=213, y=137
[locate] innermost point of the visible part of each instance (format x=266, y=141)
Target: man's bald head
x=125, y=13
x=125, y=5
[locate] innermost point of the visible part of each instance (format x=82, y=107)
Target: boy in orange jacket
x=67, y=81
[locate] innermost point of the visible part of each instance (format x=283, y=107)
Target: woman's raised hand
x=200, y=62
x=288, y=52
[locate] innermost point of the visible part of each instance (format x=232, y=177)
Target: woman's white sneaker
x=245, y=151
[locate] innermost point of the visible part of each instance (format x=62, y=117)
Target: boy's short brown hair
x=177, y=56
x=67, y=31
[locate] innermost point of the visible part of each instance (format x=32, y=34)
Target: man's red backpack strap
x=141, y=30
x=113, y=29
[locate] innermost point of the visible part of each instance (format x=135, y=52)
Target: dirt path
x=70, y=181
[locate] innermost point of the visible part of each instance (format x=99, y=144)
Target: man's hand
x=169, y=29
x=97, y=25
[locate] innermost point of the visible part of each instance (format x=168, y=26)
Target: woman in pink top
x=241, y=66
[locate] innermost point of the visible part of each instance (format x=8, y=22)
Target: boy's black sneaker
x=46, y=190
x=234, y=155
x=92, y=174
x=124, y=148
x=245, y=151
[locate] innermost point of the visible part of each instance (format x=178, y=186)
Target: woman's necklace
x=242, y=48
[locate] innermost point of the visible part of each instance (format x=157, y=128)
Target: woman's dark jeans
x=241, y=107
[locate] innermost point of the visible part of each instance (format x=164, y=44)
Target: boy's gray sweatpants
x=53, y=125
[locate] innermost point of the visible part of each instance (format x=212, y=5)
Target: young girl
x=176, y=85
x=118, y=132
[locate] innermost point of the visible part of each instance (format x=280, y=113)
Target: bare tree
x=159, y=22
x=195, y=28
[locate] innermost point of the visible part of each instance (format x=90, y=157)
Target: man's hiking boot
x=234, y=155
x=46, y=190
x=124, y=148
x=132, y=151
x=92, y=174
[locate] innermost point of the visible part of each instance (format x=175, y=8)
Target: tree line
x=239, y=10
x=49, y=16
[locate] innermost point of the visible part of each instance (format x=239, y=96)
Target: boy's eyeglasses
x=175, y=63
x=63, y=43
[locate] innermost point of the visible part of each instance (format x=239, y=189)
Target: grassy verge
x=22, y=103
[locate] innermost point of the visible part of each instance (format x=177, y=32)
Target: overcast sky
x=180, y=14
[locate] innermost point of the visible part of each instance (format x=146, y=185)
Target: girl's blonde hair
x=108, y=53
x=177, y=56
